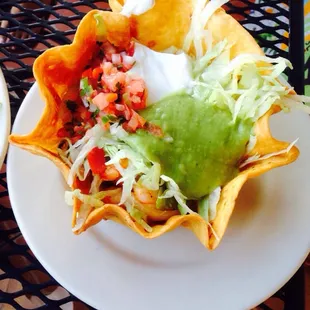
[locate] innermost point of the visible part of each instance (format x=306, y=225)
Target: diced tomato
x=126, y=127
x=96, y=62
x=120, y=107
x=139, y=106
x=114, y=82
x=136, y=91
x=72, y=95
x=84, y=186
x=139, y=119
x=96, y=161
x=133, y=124
x=96, y=73
x=84, y=113
x=102, y=100
x=138, y=103
x=79, y=130
x=107, y=67
x=110, y=109
x=131, y=49
x=136, y=121
x=87, y=73
x=62, y=133
x=116, y=59
x=127, y=63
x=108, y=50
x=136, y=86
x=127, y=112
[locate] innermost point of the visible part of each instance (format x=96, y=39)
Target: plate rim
x=56, y=275
x=5, y=113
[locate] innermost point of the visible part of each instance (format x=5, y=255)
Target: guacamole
x=201, y=147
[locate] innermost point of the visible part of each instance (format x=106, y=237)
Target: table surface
x=23, y=281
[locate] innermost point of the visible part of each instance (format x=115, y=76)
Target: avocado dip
x=201, y=147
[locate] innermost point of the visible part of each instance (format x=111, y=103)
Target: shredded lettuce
x=197, y=35
x=251, y=143
x=92, y=200
x=91, y=143
x=139, y=168
x=136, y=214
x=85, y=145
x=203, y=208
x=150, y=180
x=95, y=185
x=139, y=217
x=81, y=216
x=201, y=64
x=207, y=206
x=65, y=154
x=87, y=203
x=136, y=165
x=248, y=84
x=165, y=203
x=214, y=198
x=173, y=190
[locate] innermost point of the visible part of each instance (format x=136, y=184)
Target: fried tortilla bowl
x=58, y=70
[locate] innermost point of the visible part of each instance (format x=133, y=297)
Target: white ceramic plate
x=5, y=118
x=112, y=268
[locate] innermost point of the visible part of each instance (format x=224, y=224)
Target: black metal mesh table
x=24, y=284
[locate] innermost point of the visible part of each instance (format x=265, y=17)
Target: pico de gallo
x=108, y=94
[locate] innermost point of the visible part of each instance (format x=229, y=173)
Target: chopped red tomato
x=138, y=103
x=96, y=73
x=114, y=82
x=87, y=73
x=102, y=100
x=108, y=68
x=137, y=95
x=108, y=50
x=96, y=161
x=79, y=130
x=127, y=112
x=84, y=114
x=116, y=59
x=136, y=86
x=114, y=92
x=84, y=186
x=110, y=109
x=120, y=107
x=136, y=121
x=131, y=49
x=62, y=133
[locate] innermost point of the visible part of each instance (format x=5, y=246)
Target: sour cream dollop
x=162, y=73
x=136, y=7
